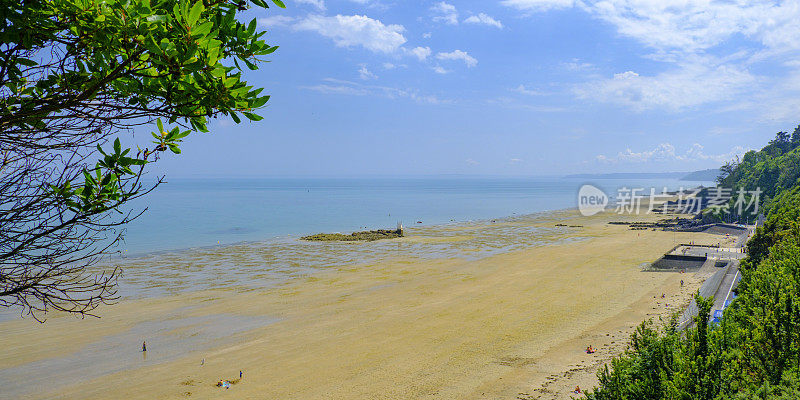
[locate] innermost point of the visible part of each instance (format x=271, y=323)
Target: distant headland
x=703, y=175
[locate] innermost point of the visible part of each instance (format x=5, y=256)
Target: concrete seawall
x=718, y=286
x=673, y=262
x=719, y=265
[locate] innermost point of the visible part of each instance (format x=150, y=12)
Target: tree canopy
x=74, y=76
x=754, y=352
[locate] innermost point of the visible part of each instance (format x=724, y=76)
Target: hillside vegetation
x=754, y=352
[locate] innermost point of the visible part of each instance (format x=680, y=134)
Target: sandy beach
x=501, y=325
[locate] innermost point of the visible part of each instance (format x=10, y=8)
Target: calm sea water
x=187, y=213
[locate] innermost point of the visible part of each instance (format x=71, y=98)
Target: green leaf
x=194, y=14
x=26, y=62
x=88, y=177
x=279, y=3
x=181, y=135
x=218, y=72
x=253, y=117
x=203, y=29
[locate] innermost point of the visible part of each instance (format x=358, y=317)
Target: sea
x=245, y=234
x=193, y=213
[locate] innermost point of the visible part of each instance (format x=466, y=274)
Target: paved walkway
x=725, y=291
x=719, y=283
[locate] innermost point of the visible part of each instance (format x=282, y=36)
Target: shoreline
x=294, y=237
x=479, y=316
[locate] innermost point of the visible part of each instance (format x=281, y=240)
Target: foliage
x=73, y=75
x=646, y=370
x=754, y=352
x=773, y=170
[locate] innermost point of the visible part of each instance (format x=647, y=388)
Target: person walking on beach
x=144, y=346
x=240, y=374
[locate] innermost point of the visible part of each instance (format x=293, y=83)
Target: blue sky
x=510, y=87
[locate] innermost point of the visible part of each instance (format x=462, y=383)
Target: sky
x=509, y=87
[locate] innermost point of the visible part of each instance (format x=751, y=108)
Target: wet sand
x=465, y=324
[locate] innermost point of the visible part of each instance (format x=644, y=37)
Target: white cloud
x=471, y=161
x=695, y=152
x=515, y=160
x=690, y=85
x=537, y=5
x=665, y=152
x=372, y=4
x=625, y=75
x=341, y=87
x=426, y=35
x=685, y=24
x=698, y=25
x=444, y=8
x=356, y=30
x=578, y=66
x=319, y=4
x=689, y=26
x=483, y=19
x=458, y=55
x=662, y=152
x=708, y=47
x=446, y=13
x=421, y=53
x=365, y=74
x=515, y=104
x=275, y=20
x=388, y=65
x=781, y=108
x=530, y=92
x=338, y=89
x=439, y=70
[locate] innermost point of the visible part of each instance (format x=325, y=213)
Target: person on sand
x=144, y=346
x=577, y=390
x=590, y=349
